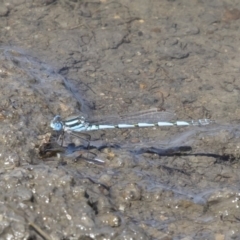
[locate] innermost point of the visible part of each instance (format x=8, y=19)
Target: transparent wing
x=147, y=116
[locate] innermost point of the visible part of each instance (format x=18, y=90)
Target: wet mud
x=98, y=58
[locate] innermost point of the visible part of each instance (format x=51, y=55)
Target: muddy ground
x=102, y=57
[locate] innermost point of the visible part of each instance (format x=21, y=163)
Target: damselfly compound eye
x=56, y=124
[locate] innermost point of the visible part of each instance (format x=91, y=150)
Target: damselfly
x=147, y=118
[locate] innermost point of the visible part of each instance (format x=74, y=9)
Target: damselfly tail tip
x=206, y=121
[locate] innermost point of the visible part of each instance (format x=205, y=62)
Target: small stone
x=105, y=179
x=24, y=194
x=3, y=11
x=229, y=87
x=231, y=15
x=128, y=60
x=142, y=86
x=132, y=192
x=110, y=219
x=137, y=72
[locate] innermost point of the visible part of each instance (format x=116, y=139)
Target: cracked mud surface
x=104, y=57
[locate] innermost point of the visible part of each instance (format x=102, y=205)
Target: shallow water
x=101, y=58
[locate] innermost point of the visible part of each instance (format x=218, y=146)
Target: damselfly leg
x=71, y=151
x=91, y=158
x=84, y=141
x=50, y=149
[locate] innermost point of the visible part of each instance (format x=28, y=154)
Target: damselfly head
x=56, y=124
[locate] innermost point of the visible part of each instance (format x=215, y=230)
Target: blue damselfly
x=142, y=119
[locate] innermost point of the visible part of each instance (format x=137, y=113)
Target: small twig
x=39, y=231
